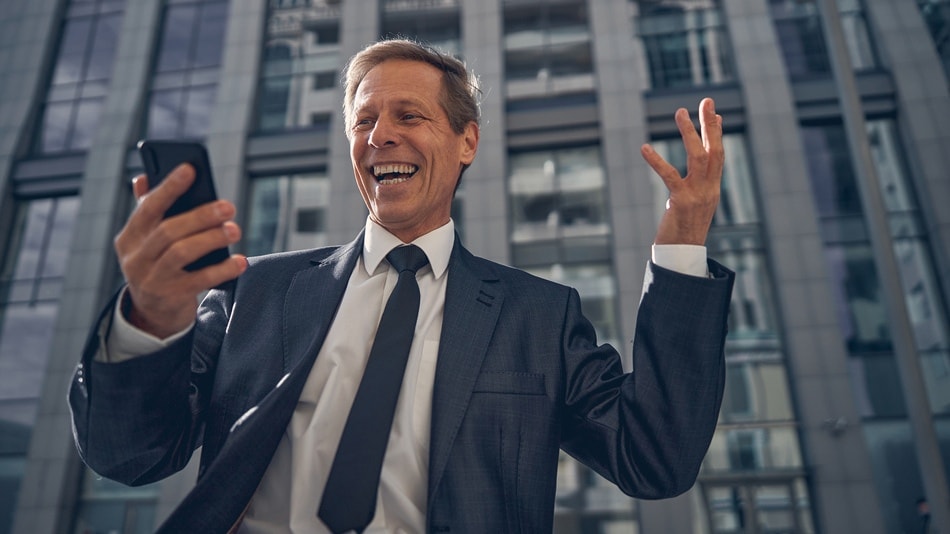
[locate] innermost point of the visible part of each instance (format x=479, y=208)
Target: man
x=503, y=368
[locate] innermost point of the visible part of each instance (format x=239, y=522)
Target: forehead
x=402, y=79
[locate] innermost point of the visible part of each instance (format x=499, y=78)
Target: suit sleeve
x=139, y=420
x=648, y=431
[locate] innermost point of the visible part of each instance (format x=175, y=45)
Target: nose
x=383, y=134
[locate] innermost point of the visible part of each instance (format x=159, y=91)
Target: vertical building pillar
x=485, y=204
x=346, y=214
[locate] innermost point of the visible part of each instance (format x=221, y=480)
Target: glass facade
x=31, y=280
x=434, y=23
x=80, y=77
x=754, y=477
x=860, y=305
x=798, y=24
x=686, y=43
x=301, y=66
x=287, y=212
x=542, y=94
x=185, y=82
x=546, y=40
x=936, y=15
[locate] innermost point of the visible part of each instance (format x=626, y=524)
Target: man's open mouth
x=393, y=173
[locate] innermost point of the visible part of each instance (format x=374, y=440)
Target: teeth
x=390, y=168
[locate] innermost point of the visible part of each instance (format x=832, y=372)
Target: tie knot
x=407, y=258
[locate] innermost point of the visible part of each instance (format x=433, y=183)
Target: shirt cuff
x=125, y=341
x=684, y=259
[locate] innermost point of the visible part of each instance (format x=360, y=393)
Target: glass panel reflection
x=184, y=83
x=80, y=76
x=753, y=449
x=544, y=40
x=287, y=213
x=301, y=62
x=685, y=43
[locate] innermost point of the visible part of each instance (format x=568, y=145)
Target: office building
x=836, y=416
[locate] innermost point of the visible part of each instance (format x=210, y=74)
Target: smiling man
x=398, y=383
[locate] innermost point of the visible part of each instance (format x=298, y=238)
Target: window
x=80, y=79
x=936, y=15
x=686, y=43
x=300, y=66
x=31, y=280
x=547, y=39
x=799, y=29
x=107, y=506
x=287, y=212
x=861, y=308
x=438, y=28
x=184, y=86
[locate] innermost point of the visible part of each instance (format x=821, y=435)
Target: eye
x=363, y=124
x=410, y=117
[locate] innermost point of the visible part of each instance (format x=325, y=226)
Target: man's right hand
x=153, y=252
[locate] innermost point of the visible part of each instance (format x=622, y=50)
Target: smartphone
x=161, y=157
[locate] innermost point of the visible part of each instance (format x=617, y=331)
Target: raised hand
x=693, y=198
x=153, y=251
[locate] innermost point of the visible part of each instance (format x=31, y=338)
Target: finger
x=210, y=216
x=691, y=139
x=139, y=187
x=711, y=125
x=185, y=251
x=154, y=205
x=668, y=173
x=214, y=275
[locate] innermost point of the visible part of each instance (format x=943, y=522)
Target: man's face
x=406, y=158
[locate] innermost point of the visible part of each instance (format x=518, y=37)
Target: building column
x=484, y=185
x=346, y=214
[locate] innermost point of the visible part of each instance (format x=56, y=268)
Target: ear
x=469, y=140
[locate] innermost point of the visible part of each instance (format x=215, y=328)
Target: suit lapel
x=311, y=302
x=473, y=299
x=309, y=306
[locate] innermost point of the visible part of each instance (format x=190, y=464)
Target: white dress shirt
x=288, y=496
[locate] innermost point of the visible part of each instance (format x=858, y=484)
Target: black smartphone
x=161, y=157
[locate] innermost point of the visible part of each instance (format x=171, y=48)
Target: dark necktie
x=349, y=498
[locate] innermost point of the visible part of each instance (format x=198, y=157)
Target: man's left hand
x=693, y=199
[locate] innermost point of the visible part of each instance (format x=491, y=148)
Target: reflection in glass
x=107, y=506
x=753, y=449
x=779, y=505
x=184, y=85
x=557, y=194
x=301, y=63
x=81, y=75
x=287, y=213
x=936, y=15
x=30, y=284
x=896, y=472
x=685, y=43
x=546, y=40
x=440, y=29
x=798, y=25
x=756, y=390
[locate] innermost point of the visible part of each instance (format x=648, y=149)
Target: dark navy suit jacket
x=519, y=375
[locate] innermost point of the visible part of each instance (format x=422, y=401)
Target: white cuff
x=684, y=259
x=125, y=341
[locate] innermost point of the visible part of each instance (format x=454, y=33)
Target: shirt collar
x=437, y=244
